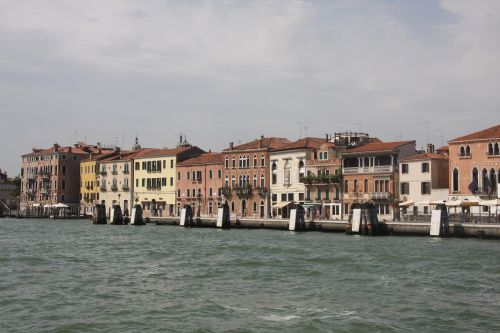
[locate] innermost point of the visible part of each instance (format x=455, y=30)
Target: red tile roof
x=264, y=143
x=378, y=146
x=153, y=152
x=305, y=143
x=77, y=149
x=489, y=133
x=125, y=155
x=203, y=159
x=443, y=148
x=425, y=156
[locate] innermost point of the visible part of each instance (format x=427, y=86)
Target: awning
x=282, y=204
x=36, y=205
x=60, y=205
x=494, y=202
x=438, y=202
x=423, y=203
x=406, y=203
x=462, y=203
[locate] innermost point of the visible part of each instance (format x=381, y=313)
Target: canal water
x=71, y=276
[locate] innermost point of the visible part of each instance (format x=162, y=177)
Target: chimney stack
x=56, y=146
x=430, y=148
x=231, y=145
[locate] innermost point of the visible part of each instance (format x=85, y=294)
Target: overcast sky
x=224, y=71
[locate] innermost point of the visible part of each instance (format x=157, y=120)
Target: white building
x=287, y=169
x=423, y=180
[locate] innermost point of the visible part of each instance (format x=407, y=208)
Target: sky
x=229, y=70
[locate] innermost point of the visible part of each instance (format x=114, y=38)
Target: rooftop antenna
x=441, y=135
x=426, y=123
x=300, y=130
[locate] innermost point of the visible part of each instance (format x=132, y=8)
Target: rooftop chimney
x=430, y=148
x=56, y=146
x=231, y=145
x=261, y=140
x=327, y=138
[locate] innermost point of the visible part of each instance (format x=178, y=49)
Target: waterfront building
x=3, y=177
x=50, y=176
x=199, y=183
x=246, y=176
x=474, y=164
x=115, y=180
x=423, y=180
x=89, y=188
x=288, y=170
x=154, y=178
x=370, y=173
x=6, y=189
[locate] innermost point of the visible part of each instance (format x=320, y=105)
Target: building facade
x=246, y=176
x=474, y=164
x=51, y=176
x=154, y=178
x=423, y=180
x=288, y=170
x=371, y=174
x=199, y=183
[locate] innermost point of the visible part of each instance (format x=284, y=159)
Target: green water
x=71, y=276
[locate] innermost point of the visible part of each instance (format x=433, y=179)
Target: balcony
x=125, y=187
x=114, y=172
x=126, y=171
x=380, y=195
x=103, y=172
x=372, y=169
x=44, y=190
x=31, y=176
x=114, y=187
x=226, y=191
x=262, y=191
x=243, y=192
x=103, y=188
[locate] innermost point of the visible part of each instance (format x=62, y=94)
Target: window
x=467, y=150
x=171, y=164
x=262, y=181
x=318, y=195
x=425, y=167
x=137, y=183
x=171, y=181
x=178, y=176
x=187, y=193
x=327, y=194
x=255, y=161
x=210, y=192
x=227, y=163
x=274, y=170
x=144, y=166
x=187, y=175
x=178, y=193
x=262, y=161
x=143, y=182
x=365, y=185
x=404, y=168
x=63, y=185
x=164, y=181
x=283, y=196
x=346, y=186
x=462, y=151
x=63, y=169
x=234, y=162
x=198, y=176
x=219, y=174
x=405, y=188
x=210, y=174
x=426, y=188
x=290, y=196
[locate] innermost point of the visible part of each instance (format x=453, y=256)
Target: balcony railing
x=103, y=172
x=372, y=169
x=103, y=188
x=243, y=192
x=226, y=191
x=114, y=172
x=114, y=187
x=380, y=195
x=125, y=187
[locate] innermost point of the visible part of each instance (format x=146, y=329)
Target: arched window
x=226, y=183
x=248, y=161
x=467, y=150
x=254, y=180
x=255, y=207
x=355, y=189
x=496, y=149
x=462, y=151
x=346, y=186
x=485, y=181
x=455, y=180
x=493, y=181
x=234, y=162
x=490, y=149
x=302, y=169
x=240, y=162
x=274, y=171
x=240, y=181
x=262, y=161
x=262, y=181
x=233, y=181
x=232, y=206
x=366, y=185
x=227, y=163
x=255, y=161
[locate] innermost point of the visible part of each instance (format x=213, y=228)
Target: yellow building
x=155, y=178
x=89, y=189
